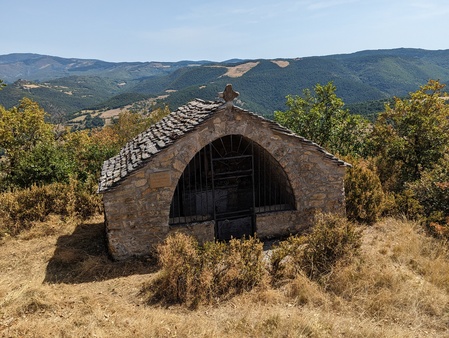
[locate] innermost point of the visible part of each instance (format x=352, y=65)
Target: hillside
x=40, y=68
x=57, y=281
x=69, y=85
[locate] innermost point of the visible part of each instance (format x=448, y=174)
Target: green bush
x=194, y=275
x=44, y=164
x=403, y=204
x=432, y=192
x=364, y=194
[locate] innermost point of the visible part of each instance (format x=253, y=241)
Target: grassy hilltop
x=57, y=281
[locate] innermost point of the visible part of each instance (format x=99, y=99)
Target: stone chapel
x=216, y=171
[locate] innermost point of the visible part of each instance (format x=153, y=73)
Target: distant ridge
x=69, y=84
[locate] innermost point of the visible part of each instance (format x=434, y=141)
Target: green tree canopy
x=321, y=117
x=44, y=164
x=22, y=128
x=412, y=135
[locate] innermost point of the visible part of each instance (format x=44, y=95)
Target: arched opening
x=229, y=181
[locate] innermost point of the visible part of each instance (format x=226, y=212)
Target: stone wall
x=137, y=210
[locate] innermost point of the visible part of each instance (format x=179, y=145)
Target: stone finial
x=228, y=94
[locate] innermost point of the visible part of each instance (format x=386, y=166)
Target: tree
x=88, y=149
x=129, y=124
x=33, y=154
x=22, y=128
x=321, y=117
x=432, y=192
x=411, y=136
x=2, y=84
x=44, y=164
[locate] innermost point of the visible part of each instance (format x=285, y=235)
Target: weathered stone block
x=202, y=231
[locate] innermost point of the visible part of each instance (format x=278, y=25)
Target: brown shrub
x=180, y=262
x=20, y=208
x=332, y=240
x=286, y=258
x=192, y=275
x=245, y=267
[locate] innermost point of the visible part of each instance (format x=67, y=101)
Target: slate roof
x=150, y=142
x=165, y=132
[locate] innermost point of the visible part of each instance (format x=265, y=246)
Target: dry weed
x=393, y=279
x=22, y=209
x=301, y=290
x=332, y=240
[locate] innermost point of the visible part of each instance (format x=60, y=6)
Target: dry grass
x=57, y=281
x=281, y=63
x=238, y=71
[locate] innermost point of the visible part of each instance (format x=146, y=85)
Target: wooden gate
x=232, y=172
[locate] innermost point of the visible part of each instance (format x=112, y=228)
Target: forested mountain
x=69, y=85
x=36, y=67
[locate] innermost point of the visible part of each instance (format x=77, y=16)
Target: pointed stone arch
x=229, y=181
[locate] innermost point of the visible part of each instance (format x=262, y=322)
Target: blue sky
x=169, y=30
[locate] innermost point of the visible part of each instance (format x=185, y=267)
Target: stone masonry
x=138, y=184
